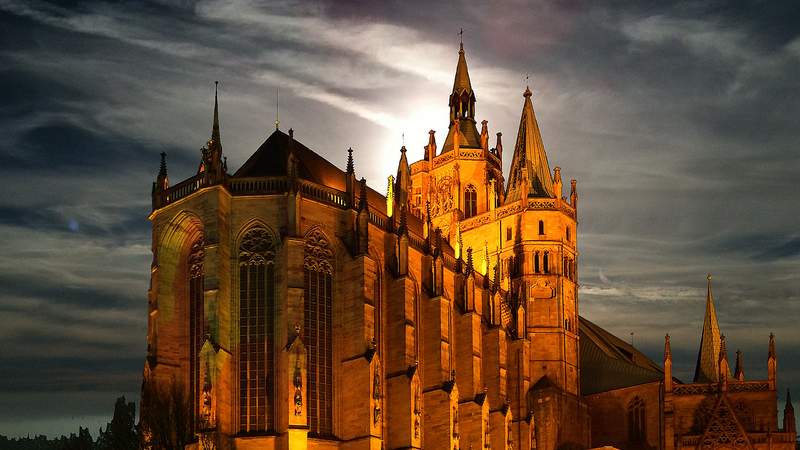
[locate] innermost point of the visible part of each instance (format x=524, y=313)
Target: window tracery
x=256, y=256
x=636, y=421
x=318, y=282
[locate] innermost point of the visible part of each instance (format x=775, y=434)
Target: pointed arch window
x=318, y=328
x=536, y=262
x=636, y=423
x=197, y=329
x=546, y=262
x=541, y=227
x=470, y=201
x=256, y=330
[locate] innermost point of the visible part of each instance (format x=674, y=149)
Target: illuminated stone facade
x=299, y=309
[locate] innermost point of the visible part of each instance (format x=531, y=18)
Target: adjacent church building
x=291, y=306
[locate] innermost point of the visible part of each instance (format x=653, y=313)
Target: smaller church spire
x=530, y=172
x=362, y=195
x=789, y=423
x=667, y=364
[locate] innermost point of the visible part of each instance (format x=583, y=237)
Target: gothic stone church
x=297, y=308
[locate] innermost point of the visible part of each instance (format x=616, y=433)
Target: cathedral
x=291, y=306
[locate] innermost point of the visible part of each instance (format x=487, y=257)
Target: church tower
x=540, y=253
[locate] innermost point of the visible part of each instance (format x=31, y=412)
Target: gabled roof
x=271, y=160
x=529, y=163
x=707, y=369
x=608, y=362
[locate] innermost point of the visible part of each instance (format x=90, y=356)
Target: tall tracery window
x=256, y=330
x=470, y=201
x=636, y=429
x=318, y=328
x=197, y=329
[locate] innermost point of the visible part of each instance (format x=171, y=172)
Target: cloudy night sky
x=679, y=121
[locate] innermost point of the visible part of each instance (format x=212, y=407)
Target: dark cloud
x=677, y=118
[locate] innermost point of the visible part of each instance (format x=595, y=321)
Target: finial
x=469, y=260
x=277, y=122
x=667, y=347
x=350, y=166
x=297, y=329
x=461, y=39
x=362, y=201
x=163, y=168
x=708, y=277
x=527, y=93
x=403, y=139
x=403, y=149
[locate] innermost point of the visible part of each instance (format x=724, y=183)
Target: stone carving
x=196, y=255
x=318, y=253
x=442, y=195
x=417, y=411
x=376, y=394
x=298, y=388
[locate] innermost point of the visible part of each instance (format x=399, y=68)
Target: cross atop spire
x=461, y=39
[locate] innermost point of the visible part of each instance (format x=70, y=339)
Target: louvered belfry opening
x=256, y=331
x=318, y=332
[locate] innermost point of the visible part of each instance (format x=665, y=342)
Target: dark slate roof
x=270, y=160
x=608, y=362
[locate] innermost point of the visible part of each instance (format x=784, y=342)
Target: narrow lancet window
x=470, y=201
x=256, y=331
x=636, y=428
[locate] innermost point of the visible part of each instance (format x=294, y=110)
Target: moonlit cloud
x=678, y=119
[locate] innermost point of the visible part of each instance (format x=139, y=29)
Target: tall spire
x=215, y=127
x=462, y=109
x=530, y=172
x=789, y=424
x=707, y=369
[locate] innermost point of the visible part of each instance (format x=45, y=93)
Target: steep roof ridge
x=530, y=171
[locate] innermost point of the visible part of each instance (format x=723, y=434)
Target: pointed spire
x=667, y=348
x=462, y=110
x=789, y=406
x=738, y=371
x=390, y=197
x=162, y=181
x=461, y=82
x=403, y=180
x=215, y=126
x=771, y=346
x=667, y=364
x=707, y=370
x=530, y=171
x=498, y=146
x=430, y=149
x=362, y=195
x=350, y=165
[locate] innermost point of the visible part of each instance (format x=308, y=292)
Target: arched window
x=470, y=201
x=636, y=429
x=197, y=329
x=541, y=227
x=569, y=234
x=545, y=262
x=256, y=330
x=318, y=328
x=536, y=262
